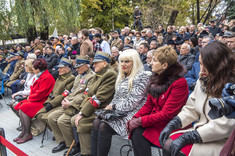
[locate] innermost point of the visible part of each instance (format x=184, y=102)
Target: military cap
x=81, y=60
x=64, y=62
x=101, y=56
x=20, y=53
x=10, y=55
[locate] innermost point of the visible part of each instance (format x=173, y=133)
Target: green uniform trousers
x=60, y=123
x=84, y=139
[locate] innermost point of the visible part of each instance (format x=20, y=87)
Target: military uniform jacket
x=98, y=94
x=6, y=68
x=63, y=82
x=77, y=92
x=19, y=67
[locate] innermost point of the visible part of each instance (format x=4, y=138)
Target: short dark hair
x=98, y=35
x=146, y=45
x=49, y=43
x=85, y=32
x=40, y=64
x=51, y=48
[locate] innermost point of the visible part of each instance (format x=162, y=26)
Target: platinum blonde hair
x=132, y=55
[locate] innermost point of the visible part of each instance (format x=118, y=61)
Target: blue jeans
x=14, y=86
x=140, y=23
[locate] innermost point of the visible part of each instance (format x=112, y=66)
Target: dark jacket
x=76, y=47
x=168, y=37
x=3, y=64
x=51, y=60
x=214, y=30
x=137, y=13
x=152, y=38
x=186, y=60
x=192, y=76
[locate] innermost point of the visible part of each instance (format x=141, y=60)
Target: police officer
x=98, y=94
x=59, y=120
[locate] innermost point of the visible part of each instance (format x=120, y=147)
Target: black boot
x=59, y=148
x=74, y=150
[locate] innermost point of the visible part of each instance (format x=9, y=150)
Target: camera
x=220, y=106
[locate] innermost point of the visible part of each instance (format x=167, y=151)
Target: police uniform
x=59, y=120
x=19, y=67
x=98, y=94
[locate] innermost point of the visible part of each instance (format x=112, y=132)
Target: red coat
x=38, y=95
x=157, y=112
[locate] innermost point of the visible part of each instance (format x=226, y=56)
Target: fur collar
x=159, y=84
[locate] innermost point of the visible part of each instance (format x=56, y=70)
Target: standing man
x=86, y=46
x=137, y=16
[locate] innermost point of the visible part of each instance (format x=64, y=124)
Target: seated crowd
x=151, y=87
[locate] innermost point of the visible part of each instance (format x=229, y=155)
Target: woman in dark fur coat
x=167, y=94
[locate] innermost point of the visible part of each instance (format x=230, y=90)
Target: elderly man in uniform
x=98, y=94
x=59, y=120
x=19, y=67
x=63, y=84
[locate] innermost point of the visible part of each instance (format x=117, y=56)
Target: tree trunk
x=31, y=33
x=44, y=34
x=198, y=12
x=172, y=19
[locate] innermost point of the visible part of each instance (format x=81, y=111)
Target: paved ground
x=9, y=121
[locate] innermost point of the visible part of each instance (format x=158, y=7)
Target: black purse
x=109, y=115
x=19, y=98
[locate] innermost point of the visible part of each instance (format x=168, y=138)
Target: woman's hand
x=108, y=107
x=133, y=123
x=22, y=81
x=13, y=95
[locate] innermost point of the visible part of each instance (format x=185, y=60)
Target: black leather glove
x=192, y=86
x=174, y=124
x=48, y=107
x=183, y=140
x=230, y=100
x=228, y=90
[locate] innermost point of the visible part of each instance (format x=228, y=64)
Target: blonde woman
x=29, y=79
x=130, y=95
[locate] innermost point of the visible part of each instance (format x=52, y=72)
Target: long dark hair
x=219, y=60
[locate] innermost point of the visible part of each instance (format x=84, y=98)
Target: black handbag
x=110, y=114
x=19, y=98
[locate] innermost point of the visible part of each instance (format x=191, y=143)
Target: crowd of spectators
x=62, y=81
